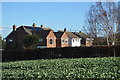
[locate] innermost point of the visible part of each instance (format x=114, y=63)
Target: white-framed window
x=51, y=41
x=10, y=40
x=76, y=39
x=66, y=41
x=40, y=40
x=63, y=41
x=73, y=40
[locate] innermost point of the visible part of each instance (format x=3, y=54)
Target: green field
x=69, y=69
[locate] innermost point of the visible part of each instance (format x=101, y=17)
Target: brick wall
x=65, y=44
x=51, y=36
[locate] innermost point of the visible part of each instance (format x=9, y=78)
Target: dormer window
x=10, y=40
x=41, y=39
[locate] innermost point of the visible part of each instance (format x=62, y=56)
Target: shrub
x=30, y=41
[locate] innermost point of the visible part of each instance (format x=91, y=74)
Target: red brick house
x=62, y=39
x=51, y=40
x=47, y=37
x=15, y=38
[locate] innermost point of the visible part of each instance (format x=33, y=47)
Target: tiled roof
x=80, y=34
x=23, y=28
x=27, y=31
x=58, y=34
x=9, y=35
x=33, y=28
x=71, y=35
x=46, y=28
x=41, y=33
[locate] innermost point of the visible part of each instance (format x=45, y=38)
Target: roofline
x=66, y=35
x=8, y=35
x=49, y=33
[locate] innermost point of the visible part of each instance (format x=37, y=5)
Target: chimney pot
x=42, y=25
x=14, y=27
x=34, y=25
x=64, y=29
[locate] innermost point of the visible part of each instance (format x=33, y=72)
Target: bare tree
x=118, y=35
x=103, y=20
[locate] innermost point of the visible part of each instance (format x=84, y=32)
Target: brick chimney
x=34, y=25
x=42, y=26
x=14, y=27
x=64, y=29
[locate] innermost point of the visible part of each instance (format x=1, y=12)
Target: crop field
x=106, y=68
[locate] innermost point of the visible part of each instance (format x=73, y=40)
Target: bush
x=30, y=41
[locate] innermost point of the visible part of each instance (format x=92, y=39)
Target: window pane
x=51, y=41
x=76, y=39
x=63, y=41
x=10, y=40
x=73, y=40
x=66, y=41
x=41, y=39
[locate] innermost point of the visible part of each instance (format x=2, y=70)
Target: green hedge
x=68, y=52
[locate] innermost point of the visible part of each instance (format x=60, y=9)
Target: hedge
x=66, y=52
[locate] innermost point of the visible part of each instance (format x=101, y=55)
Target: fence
x=67, y=52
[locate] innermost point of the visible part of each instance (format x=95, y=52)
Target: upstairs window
x=76, y=39
x=63, y=41
x=51, y=41
x=66, y=41
x=73, y=40
x=10, y=40
x=40, y=40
